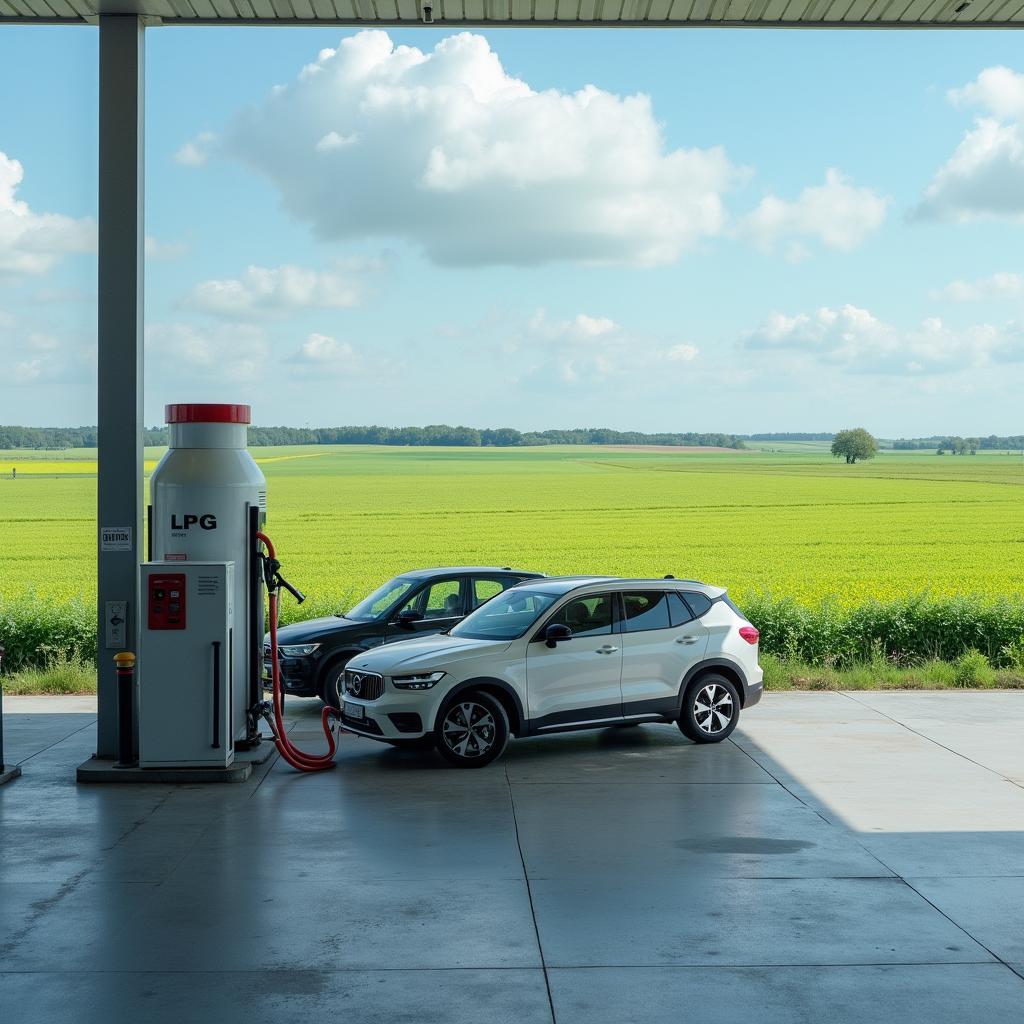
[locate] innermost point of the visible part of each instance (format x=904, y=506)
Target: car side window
x=699, y=603
x=679, y=610
x=644, y=610
x=484, y=589
x=440, y=600
x=586, y=616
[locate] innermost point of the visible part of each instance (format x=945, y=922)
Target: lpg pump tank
x=208, y=497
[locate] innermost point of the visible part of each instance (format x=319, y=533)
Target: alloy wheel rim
x=713, y=709
x=469, y=729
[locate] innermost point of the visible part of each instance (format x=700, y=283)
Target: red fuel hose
x=298, y=759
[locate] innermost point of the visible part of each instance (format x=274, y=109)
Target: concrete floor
x=846, y=858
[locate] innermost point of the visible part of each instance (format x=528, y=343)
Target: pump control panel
x=165, y=601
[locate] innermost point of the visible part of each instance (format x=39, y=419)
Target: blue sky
x=661, y=230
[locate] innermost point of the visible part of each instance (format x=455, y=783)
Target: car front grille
x=364, y=685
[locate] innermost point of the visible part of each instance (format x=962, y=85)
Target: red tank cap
x=207, y=413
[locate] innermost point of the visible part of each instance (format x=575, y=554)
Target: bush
x=906, y=631
x=1012, y=655
x=32, y=630
x=972, y=669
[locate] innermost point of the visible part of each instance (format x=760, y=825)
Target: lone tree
x=853, y=445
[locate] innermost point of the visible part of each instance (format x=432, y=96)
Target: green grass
x=880, y=674
x=62, y=674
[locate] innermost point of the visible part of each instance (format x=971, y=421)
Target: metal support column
x=12, y=772
x=120, y=501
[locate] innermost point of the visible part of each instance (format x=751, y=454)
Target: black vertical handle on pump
x=216, y=695
x=231, y=684
x=255, y=680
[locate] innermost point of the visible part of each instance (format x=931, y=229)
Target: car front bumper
x=298, y=675
x=395, y=716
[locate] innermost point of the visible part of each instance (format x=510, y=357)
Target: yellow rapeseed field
x=796, y=525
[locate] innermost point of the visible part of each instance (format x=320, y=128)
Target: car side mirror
x=556, y=631
x=408, y=616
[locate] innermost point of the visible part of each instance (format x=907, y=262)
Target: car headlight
x=420, y=681
x=297, y=650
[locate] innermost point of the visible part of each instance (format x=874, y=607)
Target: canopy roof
x=481, y=13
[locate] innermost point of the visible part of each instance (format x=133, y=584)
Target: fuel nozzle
x=294, y=591
x=275, y=581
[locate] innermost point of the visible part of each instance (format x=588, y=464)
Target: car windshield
x=380, y=600
x=506, y=616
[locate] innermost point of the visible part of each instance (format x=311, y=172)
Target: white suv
x=557, y=654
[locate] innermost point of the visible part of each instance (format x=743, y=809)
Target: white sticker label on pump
x=115, y=538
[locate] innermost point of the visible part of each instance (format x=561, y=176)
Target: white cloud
x=682, y=353
x=159, y=250
x=322, y=357
x=983, y=178
x=581, y=328
x=43, y=342
x=448, y=151
x=999, y=90
x=230, y=352
x=261, y=291
x=837, y=214
x=985, y=175
x=588, y=349
x=332, y=140
x=998, y=286
x=552, y=352
x=855, y=340
x=32, y=357
x=320, y=349
x=31, y=243
x=27, y=371
x=593, y=326
x=196, y=152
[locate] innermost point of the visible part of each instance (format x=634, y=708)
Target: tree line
x=959, y=445
x=49, y=438
x=823, y=436
x=435, y=435
x=473, y=437
x=57, y=438
x=945, y=442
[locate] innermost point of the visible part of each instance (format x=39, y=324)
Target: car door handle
x=687, y=639
x=607, y=649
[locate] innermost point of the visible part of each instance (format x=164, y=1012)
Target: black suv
x=313, y=653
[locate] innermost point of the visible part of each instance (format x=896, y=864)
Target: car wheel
x=473, y=730
x=711, y=709
x=330, y=688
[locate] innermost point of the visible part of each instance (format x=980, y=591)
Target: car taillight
x=750, y=634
